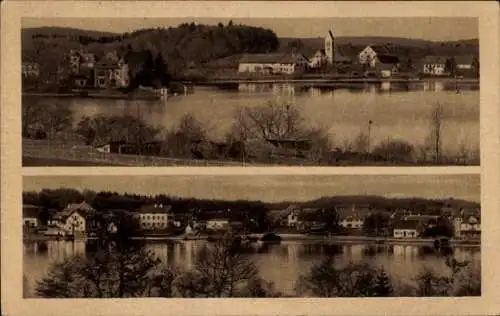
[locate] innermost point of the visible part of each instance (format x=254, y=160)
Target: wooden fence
x=60, y=151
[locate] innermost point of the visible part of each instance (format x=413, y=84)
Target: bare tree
x=273, y=120
x=255, y=126
x=436, y=126
x=222, y=269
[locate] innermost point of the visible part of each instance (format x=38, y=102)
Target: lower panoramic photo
x=251, y=236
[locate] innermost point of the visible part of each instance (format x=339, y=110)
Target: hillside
x=190, y=45
x=184, y=46
x=413, y=47
x=111, y=200
x=379, y=202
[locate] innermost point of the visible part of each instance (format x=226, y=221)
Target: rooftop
x=31, y=211
x=155, y=208
x=407, y=224
x=271, y=58
x=464, y=59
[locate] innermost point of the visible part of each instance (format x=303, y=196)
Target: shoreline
x=289, y=238
x=239, y=80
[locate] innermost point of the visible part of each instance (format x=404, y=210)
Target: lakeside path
x=300, y=238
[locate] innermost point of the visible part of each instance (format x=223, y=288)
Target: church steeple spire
x=330, y=47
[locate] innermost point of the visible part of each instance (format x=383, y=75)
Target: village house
x=111, y=72
x=406, y=229
x=373, y=55
x=273, y=63
x=318, y=59
x=77, y=219
x=155, y=216
x=116, y=147
x=387, y=66
x=352, y=216
x=217, y=224
x=434, y=65
x=292, y=217
x=466, y=65
x=189, y=230
x=310, y=219
x=30, y=69
x=465, y=62
x=79, y=59
x=31, y=216
x=467, y=224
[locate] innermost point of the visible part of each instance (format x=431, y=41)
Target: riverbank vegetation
x=273, y=133
x=118, y=269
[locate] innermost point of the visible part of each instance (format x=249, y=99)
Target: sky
x=429, y=28
x=271, y=188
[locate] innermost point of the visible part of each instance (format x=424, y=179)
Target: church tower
x=330, y=48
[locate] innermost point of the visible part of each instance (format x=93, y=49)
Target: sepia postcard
x=250, y=158
x=250, y=91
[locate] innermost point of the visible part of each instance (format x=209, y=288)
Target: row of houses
x=111, y=71
x=80, y=220
x=85, y=71
x=405, y=223
x=378, y=60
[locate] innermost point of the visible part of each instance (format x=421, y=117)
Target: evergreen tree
x=161, y=70
x=383, y=285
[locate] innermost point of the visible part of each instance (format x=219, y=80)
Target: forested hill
x=186, y=45
x=190, y=45
x=379, y=202
x=59, y=198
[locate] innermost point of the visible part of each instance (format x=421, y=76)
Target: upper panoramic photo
x=250, y=92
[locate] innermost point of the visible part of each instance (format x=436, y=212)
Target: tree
x=351, y=280
x=116, y=270
x=161, y=71
x=47, y=118
x=222, y=270
x=376, y=224
x=436, y=126
x=187, y=139
x=394, y=150
x=256, y=127
x=101, y=129
x=451, y=66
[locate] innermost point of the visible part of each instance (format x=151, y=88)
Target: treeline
x=60, y=198
x=50, y=200
x=184, y=46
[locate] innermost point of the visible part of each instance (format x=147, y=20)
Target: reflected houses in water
x=434, y=86
x=55, y=251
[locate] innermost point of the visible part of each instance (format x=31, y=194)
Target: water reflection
x=362, y=87
x=341, y=109
x=279, y=263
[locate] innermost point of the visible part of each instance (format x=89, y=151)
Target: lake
x=398, y=111
x=279, y=263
